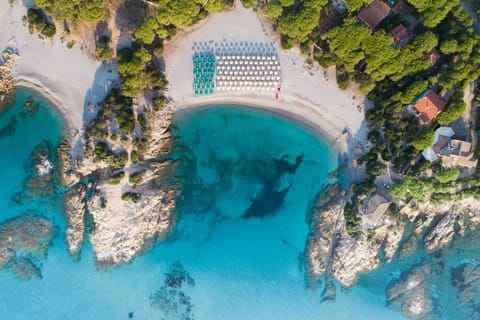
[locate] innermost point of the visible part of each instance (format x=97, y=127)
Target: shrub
x=131, y=196
x=136, y=178
x=104, y=52
x=116, y=178
x=49, y=30
x=159, y=103
x=134, y=156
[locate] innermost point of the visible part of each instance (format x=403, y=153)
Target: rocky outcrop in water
x=24, y=240
x=40, y=180
x=411, y=295
x=75, y=213
x=327, y=224
x=330, y=249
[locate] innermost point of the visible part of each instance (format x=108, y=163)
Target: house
x=459, y=153
x=399, y=34
x=427, y=106
x=452, y=152
x=340, y=6
x=441, y=138
x=374, y=13
x=434, y=56
x=375, y=211
x=399, y=6
x=329, y=18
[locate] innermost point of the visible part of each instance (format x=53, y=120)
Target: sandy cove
x=74, y=81
x=309, y=94
x=68, y=77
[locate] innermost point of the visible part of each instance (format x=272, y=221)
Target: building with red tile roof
x=399, y=34
x=434, y=56
x=428, y=106
x=374, y=13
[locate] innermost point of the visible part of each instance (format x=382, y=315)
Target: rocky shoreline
x=331, y=253
x=118, y=228
x=7, y=80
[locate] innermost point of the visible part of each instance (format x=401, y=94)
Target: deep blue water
x=233, y=254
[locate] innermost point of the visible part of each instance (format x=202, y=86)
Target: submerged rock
x=171, y=299
x=411, y=296
x=329, y=292
x=24, y=269
x=409, y=246
x=466, y=279
x=75, y=211
x=23, y=239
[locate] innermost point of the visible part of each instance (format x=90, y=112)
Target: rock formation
x=123, y=229
x=327, y=224
x=23, y=240
x=331, y=249
x=7, y=81
x=440, y=224
x=126, y=217
x=68, y=175
x=411, y=295
x=75, y=213
x=466, y=279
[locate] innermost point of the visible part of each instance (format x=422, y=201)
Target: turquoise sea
x=236, y=252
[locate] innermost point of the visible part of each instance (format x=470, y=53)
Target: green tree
x=454, y=110
x=433, y=11
x=447, y=175
x=147, y=30
x=299, y=23
x=274, y=9
x=424, y=139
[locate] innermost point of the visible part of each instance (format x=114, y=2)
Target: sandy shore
x=42, y=91
x=68, y=77
x=75, y=82
x=309, y=94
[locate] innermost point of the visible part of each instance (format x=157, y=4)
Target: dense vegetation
x=38, y=22
x=90, y=11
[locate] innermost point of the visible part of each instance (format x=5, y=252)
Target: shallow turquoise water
x=244, y=257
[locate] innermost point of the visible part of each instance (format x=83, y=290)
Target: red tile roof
x=429, y=106
x=374, y=13
x=399, y=33
x=433, y=56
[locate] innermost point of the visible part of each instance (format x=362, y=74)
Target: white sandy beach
x=68, y=77
x=74, y=81
x=308, y=96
